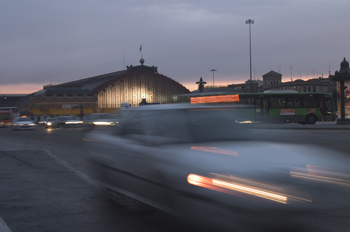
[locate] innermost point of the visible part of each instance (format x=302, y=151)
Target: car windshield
x=186, y=126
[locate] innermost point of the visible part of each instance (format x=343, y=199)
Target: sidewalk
x=318, y=126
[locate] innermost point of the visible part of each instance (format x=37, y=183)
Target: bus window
x=299, y=103
x=310, y=102
x=247, y=101
x=251, y=101
x=277, y=103
x=257, y=102
x=290, y=103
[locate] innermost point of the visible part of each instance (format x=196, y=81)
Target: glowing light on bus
x=215, y=99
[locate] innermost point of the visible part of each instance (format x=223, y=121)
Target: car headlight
x=20, y=124
x=14, y=124
x=49, y=123
x=102, y=123
x=31, y=124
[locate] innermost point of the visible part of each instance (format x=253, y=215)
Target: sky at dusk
x=59, y=41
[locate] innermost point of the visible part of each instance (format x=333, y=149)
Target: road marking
x=3, y=226
x=70, y=168
x=9, y=146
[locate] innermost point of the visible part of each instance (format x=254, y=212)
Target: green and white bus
x=277, y=107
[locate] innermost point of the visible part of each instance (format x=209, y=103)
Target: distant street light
x=213, y=70
x=249, y=21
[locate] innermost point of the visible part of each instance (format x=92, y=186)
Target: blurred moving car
x=101, y=120
x=51, y=123
x=68, y=121
x=42, y=120
x=197, y=162
x=23, y=123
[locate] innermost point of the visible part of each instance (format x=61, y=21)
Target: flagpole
x=141, y=51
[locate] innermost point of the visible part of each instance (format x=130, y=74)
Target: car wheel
x=311, y=119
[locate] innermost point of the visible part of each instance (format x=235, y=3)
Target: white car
x=197, y=162
x=98, y=120
x=23, y=123
x=68, y=121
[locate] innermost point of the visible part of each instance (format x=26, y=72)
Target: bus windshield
x=13, y=110
x=5, y=118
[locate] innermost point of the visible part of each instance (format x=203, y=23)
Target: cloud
x=69, y=40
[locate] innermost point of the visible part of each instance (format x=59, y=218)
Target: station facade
x=105, y=93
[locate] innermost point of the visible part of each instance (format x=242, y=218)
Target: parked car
x=197, y=162
x=23, y=123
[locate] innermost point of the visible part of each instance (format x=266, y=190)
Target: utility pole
x=250, y=22
x=213, y=70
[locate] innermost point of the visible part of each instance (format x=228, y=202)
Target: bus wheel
x=311, y=119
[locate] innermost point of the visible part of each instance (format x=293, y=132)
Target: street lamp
x=249, y=21
x=213, y=70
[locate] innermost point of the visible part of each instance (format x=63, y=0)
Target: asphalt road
x=46, y=185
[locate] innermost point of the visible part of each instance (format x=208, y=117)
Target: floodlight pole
x=249, y=21
x=213, y=70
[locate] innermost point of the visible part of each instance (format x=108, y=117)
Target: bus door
x=327, y=108
x=265, y=109
x=262, y=110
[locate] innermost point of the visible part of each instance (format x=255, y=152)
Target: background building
x=271, y=78
x=7, y=100
x=241, y=88
x=325, y=85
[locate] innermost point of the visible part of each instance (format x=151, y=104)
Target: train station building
x=105, y=93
